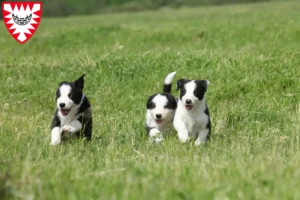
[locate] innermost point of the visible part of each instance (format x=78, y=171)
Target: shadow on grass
x=5, y=191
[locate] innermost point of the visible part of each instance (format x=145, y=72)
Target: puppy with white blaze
x=160, y=111
x=192, y=115
x=73, y=115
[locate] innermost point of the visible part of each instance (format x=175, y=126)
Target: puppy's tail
x=168, y=82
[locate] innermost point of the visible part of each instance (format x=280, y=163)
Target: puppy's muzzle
x=158, y=118
x=188, y=104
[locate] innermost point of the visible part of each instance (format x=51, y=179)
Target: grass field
x=250, y=55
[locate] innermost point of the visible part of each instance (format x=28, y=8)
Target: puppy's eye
x=70, y=95
x=183, y=91
x=198, y=91
x=150, y=105
x=168, y=105
x=58, y=94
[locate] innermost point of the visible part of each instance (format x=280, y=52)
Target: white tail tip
x=169, y=78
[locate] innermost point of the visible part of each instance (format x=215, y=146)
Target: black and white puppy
x=73, y=115
x=160, y=111
x=192, y=115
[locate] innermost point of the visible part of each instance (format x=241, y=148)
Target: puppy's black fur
x=84, y=112
x=171, y=101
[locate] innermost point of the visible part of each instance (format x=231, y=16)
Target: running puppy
x=192, y=115
x=160, y=110
x=73, y=114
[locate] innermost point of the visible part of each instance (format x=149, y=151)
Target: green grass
x=250, y=55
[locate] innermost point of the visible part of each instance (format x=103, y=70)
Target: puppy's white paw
x=54, y=143
x=55, y=136
x=67, y=129
x=158, y=138
x=199, y=142
x=183, y=139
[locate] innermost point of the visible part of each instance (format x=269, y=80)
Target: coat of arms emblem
x=21, y=19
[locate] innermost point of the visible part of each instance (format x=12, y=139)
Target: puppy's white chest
x=65, y=121
x=195, y=124
x=68, y=120
x=189, y=122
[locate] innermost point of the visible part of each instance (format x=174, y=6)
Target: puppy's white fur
x=191, y=123
x=169, y=78
x=64, y=98
x=55, y=136
x=167, y=115
x=69, y=124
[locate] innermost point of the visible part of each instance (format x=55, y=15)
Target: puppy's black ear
x=181, y=82
x=79, y=83
x=150, y=104
x=203, y=84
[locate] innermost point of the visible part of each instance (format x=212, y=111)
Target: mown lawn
x=250, y=55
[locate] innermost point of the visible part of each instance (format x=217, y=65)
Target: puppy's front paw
x=183, y=139
x=198, y=142
x=55, y=142
x=158, y=138
x=67, y=129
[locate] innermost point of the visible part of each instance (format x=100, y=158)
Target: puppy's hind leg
x=87, y=132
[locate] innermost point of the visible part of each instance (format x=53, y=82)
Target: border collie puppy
x=192, y=116
x=160, y=111
x=73, y=114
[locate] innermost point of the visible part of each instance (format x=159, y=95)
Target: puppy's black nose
x=188, y=101
x=158, y=116
x=62, y=105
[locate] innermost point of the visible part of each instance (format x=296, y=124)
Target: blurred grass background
x=250, y=53
x=84, y=7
